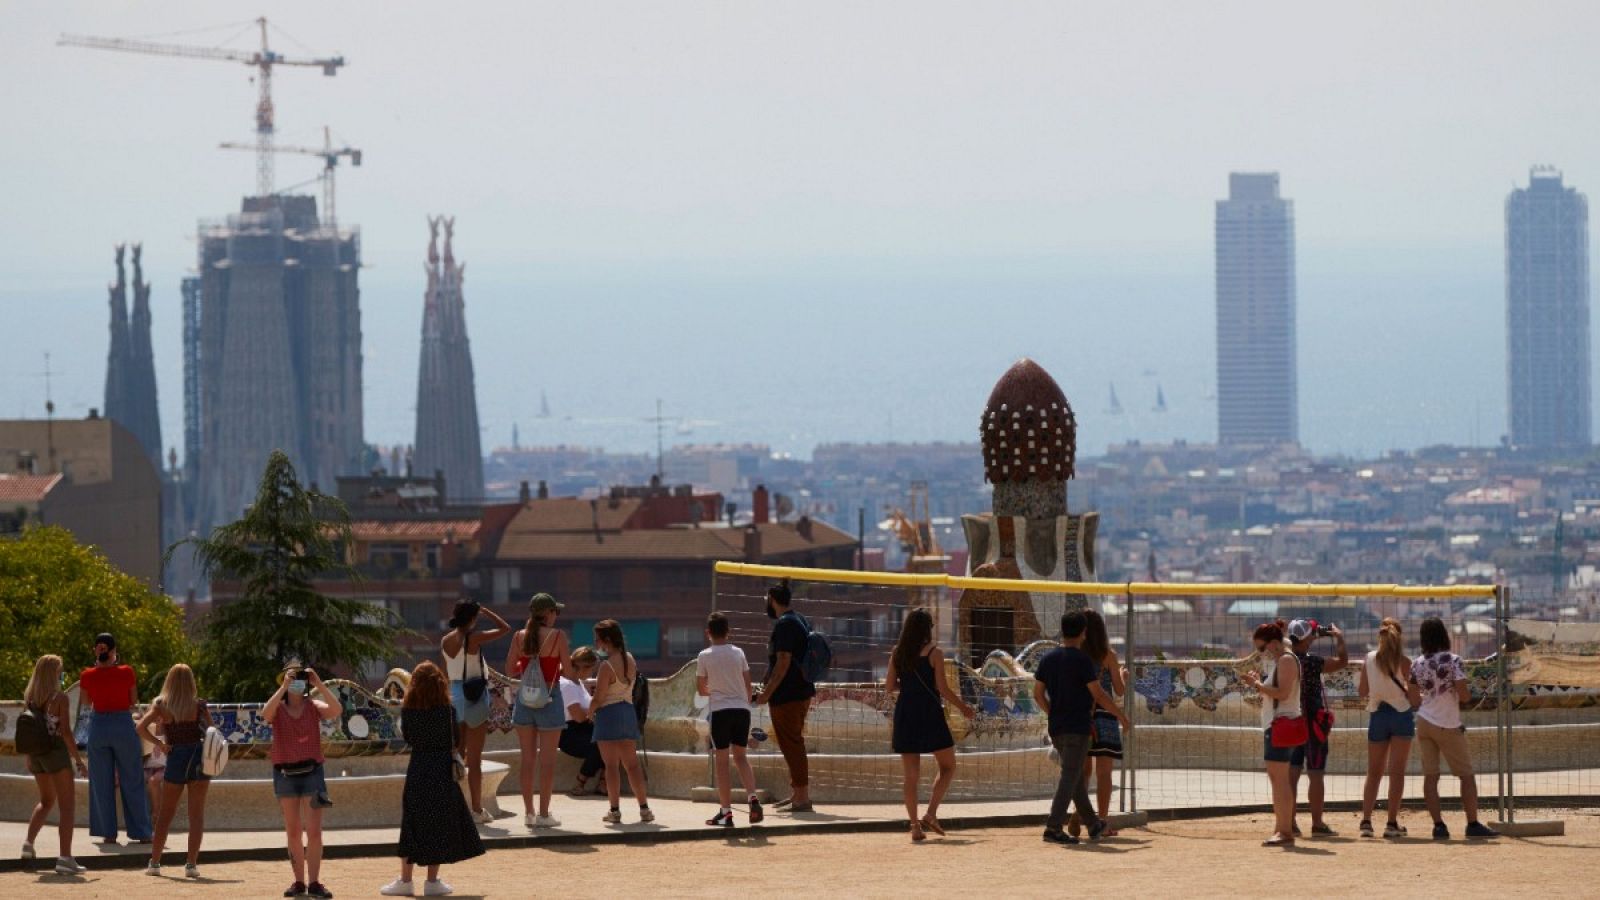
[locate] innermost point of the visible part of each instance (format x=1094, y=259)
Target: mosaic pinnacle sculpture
x=1030, y=442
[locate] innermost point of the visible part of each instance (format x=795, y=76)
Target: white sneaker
x=546, y=822
x=191, y=871
x=436, y=889
x=396, y=888
x=27, y=850
x=645, y=815
x=530, y=820
x=482, y=817
x=613, y=816
x=66, y=865
x=153, y=869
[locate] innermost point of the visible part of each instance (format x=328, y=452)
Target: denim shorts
x=1274, y=754
x=183, y=764
x=469, y=714
x=1387, y=722
x=550, y=717
x=313, y=784
x=616, y=722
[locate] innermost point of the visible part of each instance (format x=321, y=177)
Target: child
x=723, y=676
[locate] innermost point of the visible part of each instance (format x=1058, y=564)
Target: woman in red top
x=538, y=657
x=115, y=754
x=297, y=778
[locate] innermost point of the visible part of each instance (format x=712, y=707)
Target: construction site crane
x=330, y=160
x=263, y=60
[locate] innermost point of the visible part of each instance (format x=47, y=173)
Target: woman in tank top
x=52, y=770
x=537, y=657
x=616, y=724
x=1279, y=685
x=183, y=718
x=1390, y=726
x=462, y=648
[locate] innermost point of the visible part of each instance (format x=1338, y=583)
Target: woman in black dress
x=435, y=825
x=916, y=670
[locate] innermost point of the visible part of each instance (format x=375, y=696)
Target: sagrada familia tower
x=130, y=364
x=447, y=406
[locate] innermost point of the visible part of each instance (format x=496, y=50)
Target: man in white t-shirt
x=722, y=675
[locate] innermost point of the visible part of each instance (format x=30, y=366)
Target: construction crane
x=263, y=59
x=330, y=160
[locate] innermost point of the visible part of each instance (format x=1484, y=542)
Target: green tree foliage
x=56, y=595
x=287, y=539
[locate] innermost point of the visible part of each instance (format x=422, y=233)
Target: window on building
x=432, y=558
x=506, y=581
x=389, y=557
x=683, y=640
x=642, y=635
x=605, y=584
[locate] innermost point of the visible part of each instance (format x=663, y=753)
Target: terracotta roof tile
x=26, y=488
x=414, y=529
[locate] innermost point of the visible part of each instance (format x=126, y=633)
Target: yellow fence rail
x=1142, y=588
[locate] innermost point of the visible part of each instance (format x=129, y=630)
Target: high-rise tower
x=130, y=364
x=447, y=405
x=1257, y=388
x=279, y=351
x=1547, y=313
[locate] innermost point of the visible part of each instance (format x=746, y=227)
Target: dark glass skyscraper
x=1547, y=313
x=1257, y=387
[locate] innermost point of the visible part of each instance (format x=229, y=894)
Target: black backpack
x=33, y=735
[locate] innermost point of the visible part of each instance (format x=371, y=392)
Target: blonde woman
x=577, y=738
x=1390, y=726
x=183, y=718
x=52, y=770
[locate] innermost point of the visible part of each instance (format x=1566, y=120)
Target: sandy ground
x=1214, y=857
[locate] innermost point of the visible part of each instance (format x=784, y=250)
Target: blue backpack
x=818, y=656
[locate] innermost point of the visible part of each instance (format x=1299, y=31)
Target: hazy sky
x=796, y=221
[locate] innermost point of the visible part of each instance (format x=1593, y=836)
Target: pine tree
x=289, y=537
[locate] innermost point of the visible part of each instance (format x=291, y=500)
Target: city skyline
x=831, y=178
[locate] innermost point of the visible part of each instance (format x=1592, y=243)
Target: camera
x=1323, y=630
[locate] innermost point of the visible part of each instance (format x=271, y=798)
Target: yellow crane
x=263, y=60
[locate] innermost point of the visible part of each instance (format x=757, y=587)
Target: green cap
x=543, y=602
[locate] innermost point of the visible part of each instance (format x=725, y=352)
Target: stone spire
x=117, y=386
x=447, y=406
x=144, y=415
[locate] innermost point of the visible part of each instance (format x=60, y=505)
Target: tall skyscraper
x=447, y=405
x=1257, y=389
x=130, y=364
x=1547, y=313
x=279, y=351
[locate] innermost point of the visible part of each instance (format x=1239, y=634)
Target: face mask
x=104, y=657
x=302, y=686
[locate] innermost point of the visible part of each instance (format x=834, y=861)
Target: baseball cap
x=106, y=638
x=1300, y=629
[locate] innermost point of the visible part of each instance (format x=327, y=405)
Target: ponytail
x=1391, y=647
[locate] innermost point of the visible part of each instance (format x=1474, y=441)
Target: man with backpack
x=788, y=691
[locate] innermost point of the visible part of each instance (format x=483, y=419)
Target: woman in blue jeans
x=115, y=754
x=1390, y=726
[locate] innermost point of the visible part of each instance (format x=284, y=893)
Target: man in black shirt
x=788, y=692
x=1067, y=687
x=1313, y=755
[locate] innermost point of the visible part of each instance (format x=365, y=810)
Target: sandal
x=580, y=788
x=916, y=832
x=930, y=823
